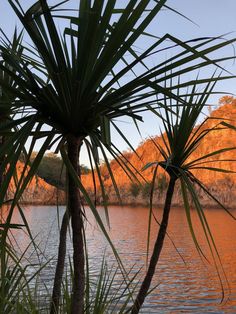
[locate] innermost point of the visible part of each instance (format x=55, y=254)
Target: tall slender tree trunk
x=55, y=303
x=156, y=251
x=1, y=161
x=3, y=257
x=74, y=201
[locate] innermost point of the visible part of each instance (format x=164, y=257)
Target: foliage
x=146, y=187
x=146, y=190
x=19, y=291
x=71, y=85
x=51, y=169
x=181, y=139
x=134, y=189
x=16, y=293
x=162, y=182
x=231, y=100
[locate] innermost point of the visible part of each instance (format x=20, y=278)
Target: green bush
x=134, y=189
x=162, y=183
x=146, y=190
x=51, y=169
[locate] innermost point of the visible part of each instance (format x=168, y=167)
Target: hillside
x=221, y=184
x=38, y=191
x=52, y=171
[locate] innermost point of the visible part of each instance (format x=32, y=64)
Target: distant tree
x=227, y=100
x=72, y=86
x=146, y=189
x=53, y=170
x=162, y=182
x=134, y=189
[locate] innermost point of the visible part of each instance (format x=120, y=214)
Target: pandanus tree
x=72, y=85
x=6, y=118
x=180, y=139
x=5, y=114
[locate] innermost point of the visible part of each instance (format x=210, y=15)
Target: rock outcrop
x=221, y=184
x=37, y=191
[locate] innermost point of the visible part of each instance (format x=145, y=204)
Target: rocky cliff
x=37, y=191
x=222, y=185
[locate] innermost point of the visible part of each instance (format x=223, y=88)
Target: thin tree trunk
x=54, y=307
x=1, y=161
x=156, y=251
x=77, y=304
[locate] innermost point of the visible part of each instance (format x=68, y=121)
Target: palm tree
x=15, y=47
x=72, y=85
x=180, y=140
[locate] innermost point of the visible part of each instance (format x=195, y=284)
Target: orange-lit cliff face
x=221, y=184
x=37, y=191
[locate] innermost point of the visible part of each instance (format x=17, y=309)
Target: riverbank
x=41, y=196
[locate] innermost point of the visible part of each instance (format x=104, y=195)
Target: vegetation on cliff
x=176, y=149
x=70, y=86
x=53, y=171
x=220, y=183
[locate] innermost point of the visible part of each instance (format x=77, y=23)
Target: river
x=186, y=282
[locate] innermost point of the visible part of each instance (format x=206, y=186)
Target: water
x=186, y=283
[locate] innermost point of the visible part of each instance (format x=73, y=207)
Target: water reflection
x=191, y=286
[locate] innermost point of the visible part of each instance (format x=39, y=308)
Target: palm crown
x=75, y=83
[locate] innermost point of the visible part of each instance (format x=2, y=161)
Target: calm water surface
x=186, y=283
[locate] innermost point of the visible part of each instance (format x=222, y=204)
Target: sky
x=210, y=17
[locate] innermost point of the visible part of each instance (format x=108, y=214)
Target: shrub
x=146, y=190
x=162, y=183
x=134, y=189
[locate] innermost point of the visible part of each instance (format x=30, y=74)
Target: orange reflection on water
x=184, y=287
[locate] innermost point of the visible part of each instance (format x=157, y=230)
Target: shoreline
x=134, y=205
